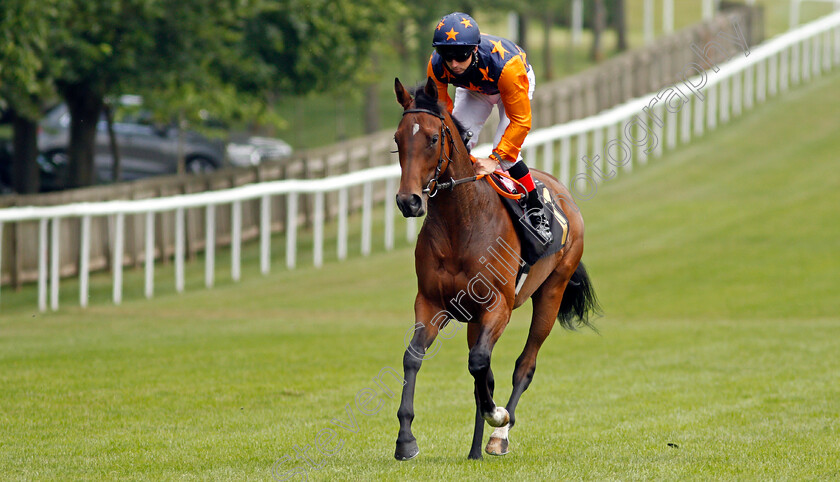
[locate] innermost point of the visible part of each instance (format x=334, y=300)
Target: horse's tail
x=579, y=301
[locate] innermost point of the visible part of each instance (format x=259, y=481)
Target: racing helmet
x=457, y=29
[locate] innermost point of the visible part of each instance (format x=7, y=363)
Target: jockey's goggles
x=458, y=53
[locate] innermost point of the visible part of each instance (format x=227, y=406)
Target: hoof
x=406, y=451
x=497, y=446
x=499, y=417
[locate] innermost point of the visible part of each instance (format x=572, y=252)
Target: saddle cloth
x=534, y=246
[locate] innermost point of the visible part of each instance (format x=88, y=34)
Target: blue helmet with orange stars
x=456, y=29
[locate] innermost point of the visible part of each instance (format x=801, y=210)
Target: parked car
x=52, y=176
x=147, y=148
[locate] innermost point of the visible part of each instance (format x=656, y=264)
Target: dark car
x=145, y=148
x=148, y=148
x=53, y=177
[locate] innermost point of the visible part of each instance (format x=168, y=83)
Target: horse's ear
x=403, y=97
x=431, y=88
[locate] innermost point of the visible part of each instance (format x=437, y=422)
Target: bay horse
x=464, y=257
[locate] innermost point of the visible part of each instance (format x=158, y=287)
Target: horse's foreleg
x=425, y=332
x=478, y=432
x=406, y=443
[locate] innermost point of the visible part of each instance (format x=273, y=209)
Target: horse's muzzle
x=411, y=205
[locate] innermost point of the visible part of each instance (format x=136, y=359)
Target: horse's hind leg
x=546, y=305
x=491, y=327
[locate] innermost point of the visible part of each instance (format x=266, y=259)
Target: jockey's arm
x=443, y=92
x=513, y=88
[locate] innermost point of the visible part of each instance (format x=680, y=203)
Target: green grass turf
x=716, y=267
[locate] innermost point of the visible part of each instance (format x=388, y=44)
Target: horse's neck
x=467, y=207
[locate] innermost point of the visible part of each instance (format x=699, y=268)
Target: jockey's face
x=457, y=67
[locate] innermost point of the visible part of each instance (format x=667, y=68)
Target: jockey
x=488, y=71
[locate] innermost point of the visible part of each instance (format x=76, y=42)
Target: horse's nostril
x=410, y=205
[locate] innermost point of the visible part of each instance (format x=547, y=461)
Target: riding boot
x=537, y=217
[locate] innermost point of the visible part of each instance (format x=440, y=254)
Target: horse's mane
x=424, y=101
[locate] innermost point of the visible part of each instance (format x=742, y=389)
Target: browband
x=423, y=111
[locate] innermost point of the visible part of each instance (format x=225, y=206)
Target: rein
x=435, y=184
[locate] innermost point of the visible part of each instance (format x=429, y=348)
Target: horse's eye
x=434, y=139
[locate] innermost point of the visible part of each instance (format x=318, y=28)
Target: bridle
x=445, y=134
x=434, y=184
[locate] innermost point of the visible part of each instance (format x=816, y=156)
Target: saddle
x=534, y=247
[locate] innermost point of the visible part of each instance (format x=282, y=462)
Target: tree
x=315, y=45
x=191, y=57
x=548, y=56
x=599, y=15
x=371, y=110
x=24, y=84
x=546, y=11
x=523, y=19
x=620, y=22
x=164, y=49
x=231, y=58
x=323, y=46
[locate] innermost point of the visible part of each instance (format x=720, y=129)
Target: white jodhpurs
x=473, y=108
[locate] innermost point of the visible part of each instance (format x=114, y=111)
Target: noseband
x=434, y=184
